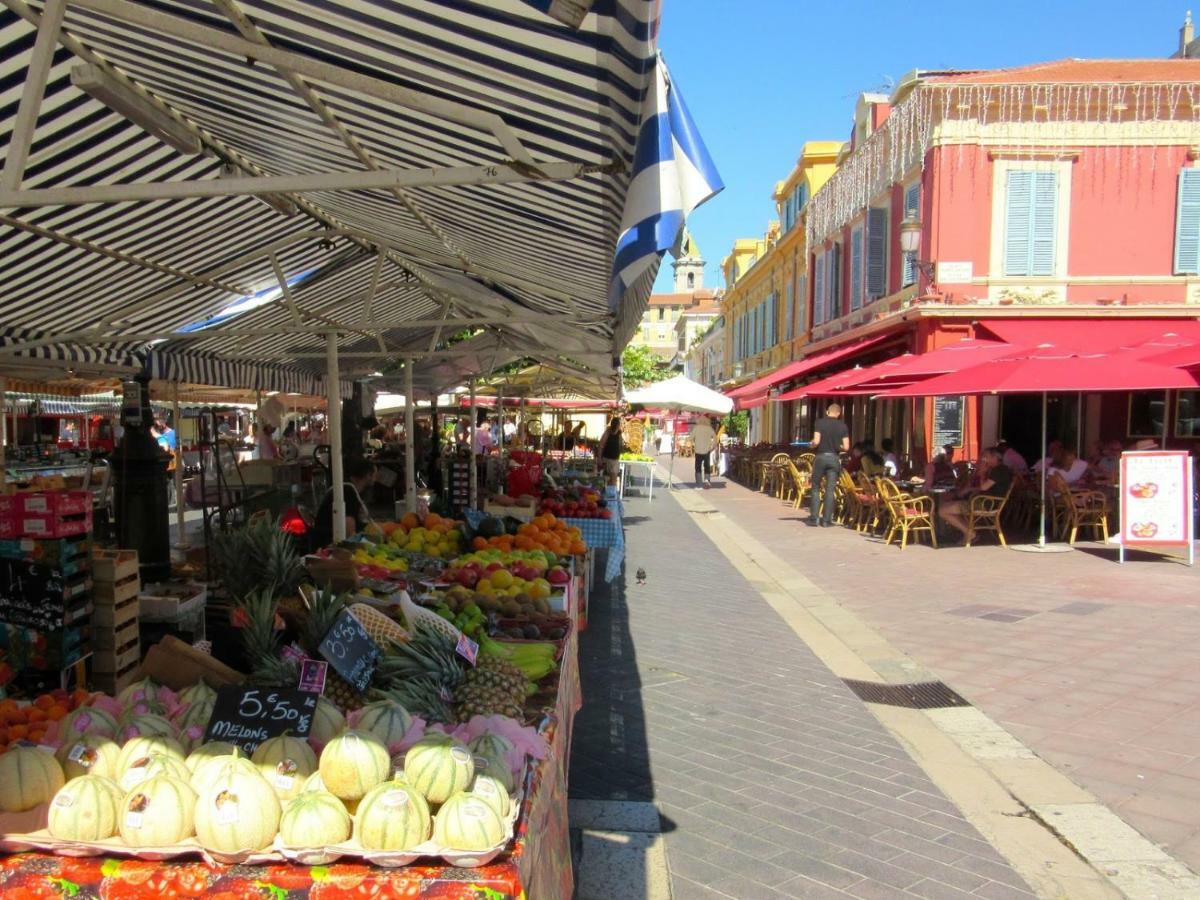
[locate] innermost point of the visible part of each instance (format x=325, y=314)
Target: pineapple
x=260, y=642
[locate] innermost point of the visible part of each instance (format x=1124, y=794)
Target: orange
x=549, y=517
x=432, y=519
x=37, y=715
x=56, y=712
x=17, y=732
x=479, y=544
x=80, y=697
x=45, y=701
x=409, y=521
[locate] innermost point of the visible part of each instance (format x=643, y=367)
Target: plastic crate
x=70, y=554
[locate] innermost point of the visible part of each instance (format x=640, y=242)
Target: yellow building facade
x=765, y=307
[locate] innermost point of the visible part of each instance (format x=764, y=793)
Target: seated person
x=1052, y=459
x=872, y=463
x=1011, y=458
x=941, y=467
x=891, y=465
x=1070, y=467
x=1107, y=467
x=854, y=460
x=995, y=483
x=359, y=475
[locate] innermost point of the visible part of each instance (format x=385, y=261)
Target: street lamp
x=910, y=244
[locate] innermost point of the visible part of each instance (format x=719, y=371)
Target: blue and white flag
x=672, y=175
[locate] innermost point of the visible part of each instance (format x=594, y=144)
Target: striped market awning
x=208, y=188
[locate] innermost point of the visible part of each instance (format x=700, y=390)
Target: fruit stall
x=399, y=725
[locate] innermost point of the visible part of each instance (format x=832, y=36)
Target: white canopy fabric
x=682, y=395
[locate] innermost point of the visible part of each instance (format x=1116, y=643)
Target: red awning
x=1186, y=356
x=845, y=380
x=1088, y=335
x=1053, y=372
x=798, y=368
x=751, y=402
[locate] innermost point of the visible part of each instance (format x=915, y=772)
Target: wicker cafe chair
x=1023, y=502
x=984, y=513
x=907, y=513
x=801, y=475
x=772, y=472
x=1076, y=509
x=870, y=504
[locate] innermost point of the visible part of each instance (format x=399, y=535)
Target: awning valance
x=800, y=367
x=1089, y=335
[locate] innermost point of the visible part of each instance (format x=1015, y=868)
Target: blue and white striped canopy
x=554, y=267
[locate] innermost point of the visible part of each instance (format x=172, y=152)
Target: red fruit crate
x=63, y=503
x=53, y=524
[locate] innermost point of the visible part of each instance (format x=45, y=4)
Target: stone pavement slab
x=771, y=778
x=1089, y=664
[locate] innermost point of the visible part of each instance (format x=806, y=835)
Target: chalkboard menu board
x=247, y=716
x=948, y=421
x=350, y=650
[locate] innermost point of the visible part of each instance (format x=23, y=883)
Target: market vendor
x=359, y=475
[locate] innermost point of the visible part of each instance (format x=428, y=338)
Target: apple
x=558, y=576
x=468, y=578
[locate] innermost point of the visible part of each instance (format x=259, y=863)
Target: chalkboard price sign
x=247, y=716
x=350, y=650
x=947, y=422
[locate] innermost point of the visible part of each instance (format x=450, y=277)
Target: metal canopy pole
x=410, y=442
x=473, y=474
x=1045, y=466
x=333, y=390
x=181, y=540
x=3, y=425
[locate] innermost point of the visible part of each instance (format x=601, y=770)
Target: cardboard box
x=179, y=665
x=53, y=524
x=71, y=554
x=62, y=503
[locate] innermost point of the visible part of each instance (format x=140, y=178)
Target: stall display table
x=648, y=465
x=607, y=534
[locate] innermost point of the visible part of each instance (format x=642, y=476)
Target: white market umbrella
x=680, y=394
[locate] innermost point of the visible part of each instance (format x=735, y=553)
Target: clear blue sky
x=762, y=77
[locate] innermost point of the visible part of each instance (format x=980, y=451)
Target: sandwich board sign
x=1157, y=500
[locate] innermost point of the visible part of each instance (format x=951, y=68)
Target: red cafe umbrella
x=1050, y=371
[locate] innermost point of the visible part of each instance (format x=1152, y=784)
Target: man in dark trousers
x=831, y=437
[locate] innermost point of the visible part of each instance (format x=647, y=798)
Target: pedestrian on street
x=703, y=440
x=831, y=438
x=610, y=450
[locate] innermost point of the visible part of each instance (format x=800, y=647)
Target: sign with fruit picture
x=247, y=716
x=350, y=650
x=1156, y=499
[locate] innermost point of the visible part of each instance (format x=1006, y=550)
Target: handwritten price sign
x=350, y=650
x=248, y=716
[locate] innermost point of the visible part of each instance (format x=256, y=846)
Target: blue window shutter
x=1043, y=239
x=834, y=283
x=789, y=323
x=774, y=318
x=856, y=267
x=801, y=305
x=1018, y=223
x=819, y=289
x=877, y=225
x=912, y=207
x=1187, y=224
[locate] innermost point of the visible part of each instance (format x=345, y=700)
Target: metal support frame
x=181, y=541
x=473, y=474
x=31, y=98
x=410, y=442
x=286, y=289
x=334, y=420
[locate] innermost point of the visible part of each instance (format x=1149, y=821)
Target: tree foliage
x=640, y=366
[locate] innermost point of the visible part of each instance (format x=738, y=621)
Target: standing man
x=703, y=439
x=610, y=450
x=831, y=438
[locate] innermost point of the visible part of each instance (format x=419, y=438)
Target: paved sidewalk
x=771, y=778
x=1090, y=664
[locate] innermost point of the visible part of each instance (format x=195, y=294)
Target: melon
x=491, y=791
x=439, y=766
x=492, y=746
x=467, y=822
x=28, y=778
x=497, y=769
x=147, y=708
x=328, y=722
x=138, y=747
x=158, y=812
x=208, y=751
x=392, y=816
x=353, y=763
x=151, y=766
x=314, y=819
x=89, y=754
x=85, y=809
x=285, y=762
x=86, y=720
x=387, y=720
x=209, y=769
x=146, y=689
x=194, y=716
x=199, y=692
x=145, y=726
x=237, y=810
x=313, y=783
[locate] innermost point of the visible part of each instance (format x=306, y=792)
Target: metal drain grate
x=923, y=695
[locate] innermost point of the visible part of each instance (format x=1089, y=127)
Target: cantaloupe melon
x=491, y=745
x=85, y=809
x=146, y=689
x=86, y=720
x=209, y=769
x=28, y=777
x=328, y=722
x=438, y=766
x=314, y=819
x=387, y=720
x=236, y=810
x=145, y=726
x=158, y=812
x=490, y=790
x=496, y=768
x=136, y=748
x=353, y=763
x=199, y=692
x=151, y=766
x=195, y=718
x=89, y=754
x=392, y=816
x=285, y=762
x=208, y=751
x=467, y=822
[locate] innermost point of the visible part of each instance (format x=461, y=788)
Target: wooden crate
x=110, y=592
x=118, y=613
x=115, y=639
x=113, y=565
x=111, y=662
x=113, y=683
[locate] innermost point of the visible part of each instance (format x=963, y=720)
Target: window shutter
x=856, y=267
x=835, y=283
x=801, y=305
x=912, y=207
x=774, y=318
x=1187, y=224
x=1045, y=223
x=1018, y=223
x=789, y=323
x=877, y=223
x=819, y=289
